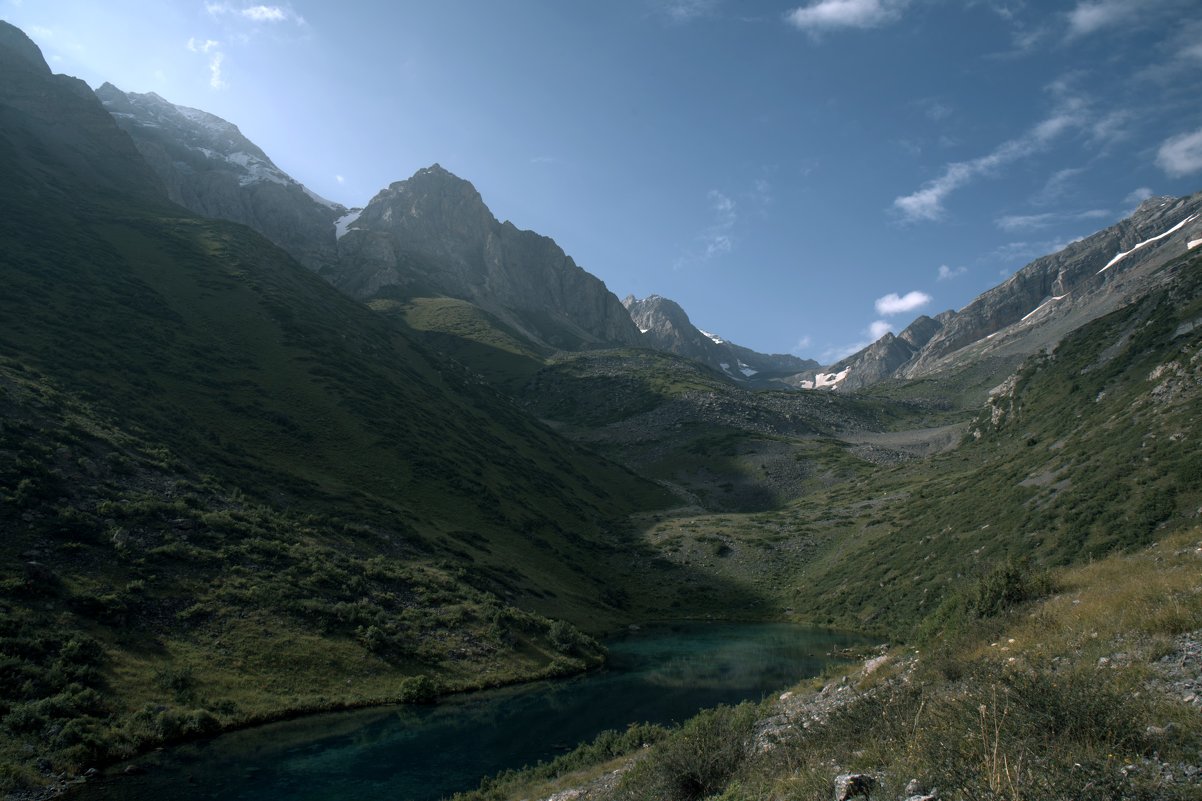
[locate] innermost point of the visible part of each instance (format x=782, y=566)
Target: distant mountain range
x=432, y=235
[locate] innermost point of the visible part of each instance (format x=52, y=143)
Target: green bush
x=695, y=762
x=419, y=689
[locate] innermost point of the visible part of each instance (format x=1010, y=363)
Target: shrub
x=697, y=761
x=419, y=689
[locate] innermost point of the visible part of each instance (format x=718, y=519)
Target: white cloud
x=1029, y=222
x=878, y=328
x=894, y=303
x=265, y=13
x=215, y=79
x=927, y=202
x=1057, y=186
x=803, y=344
x=948, y=273
x=717, y=238
x=197, y=46
x=832, y=14
x=340, y=179
x=687, y=10
x=1138, y=196
x=1181, y=155
x=1091, y=17
x=212, y=49
x=259, y=13
x=1030, y=250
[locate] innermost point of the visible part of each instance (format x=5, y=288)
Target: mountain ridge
x=1044, y=300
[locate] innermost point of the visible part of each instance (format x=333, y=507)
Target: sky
x=801, y=176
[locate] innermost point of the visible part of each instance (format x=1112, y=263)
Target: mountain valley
x=264, y=455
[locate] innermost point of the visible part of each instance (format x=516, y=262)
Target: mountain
x=432, y=235
x=230, y=492
x=1040, y=304
x=210, y=168
x=666, y=327
x=52, y=125
x=886, y=356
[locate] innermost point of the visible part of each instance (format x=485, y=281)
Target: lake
x=659, y=674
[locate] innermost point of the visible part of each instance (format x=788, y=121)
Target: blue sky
x=800, y=176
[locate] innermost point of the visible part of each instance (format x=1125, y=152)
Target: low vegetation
x=1029, y=686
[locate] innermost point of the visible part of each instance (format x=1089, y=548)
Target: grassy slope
x=237, y=493
x=1093, y=450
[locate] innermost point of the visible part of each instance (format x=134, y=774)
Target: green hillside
x=230, y=493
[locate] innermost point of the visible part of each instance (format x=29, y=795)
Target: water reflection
x=659, y=674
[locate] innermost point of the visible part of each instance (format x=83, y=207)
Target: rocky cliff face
x=665, y=326
x=209, y=167
x=433, y=235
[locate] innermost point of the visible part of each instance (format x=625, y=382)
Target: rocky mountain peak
x=432, y=234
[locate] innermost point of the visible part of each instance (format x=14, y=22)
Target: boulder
x=853, y=785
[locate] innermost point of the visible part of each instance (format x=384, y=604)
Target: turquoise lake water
x=660, y=674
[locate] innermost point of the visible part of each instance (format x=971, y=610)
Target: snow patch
x=824, y=380
x=717, y=340
x=343, y=223
x=724, y=366
x=1033, y=312
x=641, y=330
x=1127, y=253
x=747, y=371
x=1193, y=244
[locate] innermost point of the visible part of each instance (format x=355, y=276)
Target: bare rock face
x=210, y=168
x=433, y=235
x=665, y=326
